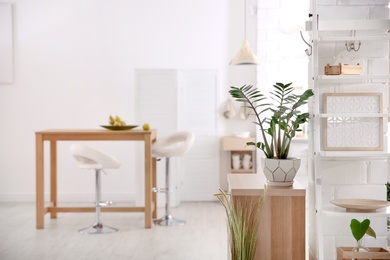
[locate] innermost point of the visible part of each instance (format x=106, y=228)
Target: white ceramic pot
x=280, y=172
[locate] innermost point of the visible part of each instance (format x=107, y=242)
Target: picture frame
x=346, y=131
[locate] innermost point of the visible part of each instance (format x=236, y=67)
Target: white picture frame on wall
x=345, y=129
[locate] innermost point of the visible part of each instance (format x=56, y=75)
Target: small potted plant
x=277, y=129
x=359, y=230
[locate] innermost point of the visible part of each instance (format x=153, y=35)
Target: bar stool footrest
x=162, y=190
x=106, y=203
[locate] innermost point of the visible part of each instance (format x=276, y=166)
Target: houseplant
x=278, y=120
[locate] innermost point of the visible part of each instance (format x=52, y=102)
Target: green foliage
x=359, y=229
x=388, y=191
x=285, y=121
x=388, y=199
x=243, y=221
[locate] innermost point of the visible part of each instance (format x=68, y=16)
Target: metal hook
x=351, y=44
x=308, y=53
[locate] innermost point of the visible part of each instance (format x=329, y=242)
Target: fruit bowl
x=114, y=127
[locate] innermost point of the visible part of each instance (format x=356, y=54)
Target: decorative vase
x=359, y=248
x=280, y=172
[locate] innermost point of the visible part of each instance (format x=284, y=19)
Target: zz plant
x=285, y=119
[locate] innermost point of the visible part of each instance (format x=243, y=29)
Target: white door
x=199, y=177
x=170, y=101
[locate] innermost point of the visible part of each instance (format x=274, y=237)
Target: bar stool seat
x=173, y=145
x=91, y=158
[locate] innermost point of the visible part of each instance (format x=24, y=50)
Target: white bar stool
x=90, y=158
x=171, y=146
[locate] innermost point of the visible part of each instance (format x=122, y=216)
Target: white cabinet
x=171, y=100
x=354, y=170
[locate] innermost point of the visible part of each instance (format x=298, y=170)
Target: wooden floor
x=203, y=237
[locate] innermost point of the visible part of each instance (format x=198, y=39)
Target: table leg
x=40, y=211
x=53, y=177
x=148, y=181
x=154, y=184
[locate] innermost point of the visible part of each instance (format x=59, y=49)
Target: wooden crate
x=343, y=69
x=333, y=70
x=375, y=253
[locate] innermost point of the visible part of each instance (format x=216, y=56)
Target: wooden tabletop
x=95, y=134
x=254, y=184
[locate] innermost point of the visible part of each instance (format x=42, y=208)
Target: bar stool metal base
x=98, y=229
x=168, y=220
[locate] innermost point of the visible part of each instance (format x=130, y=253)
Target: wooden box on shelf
x=375, y=253
x=343, y=69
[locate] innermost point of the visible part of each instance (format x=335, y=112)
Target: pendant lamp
x=245, y=56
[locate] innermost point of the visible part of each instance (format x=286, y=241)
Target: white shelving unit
x=332, y=32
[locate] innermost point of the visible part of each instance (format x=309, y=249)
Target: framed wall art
x=345, y=130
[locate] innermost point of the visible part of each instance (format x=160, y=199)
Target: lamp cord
x=244, y=19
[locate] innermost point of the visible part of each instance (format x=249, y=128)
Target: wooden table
x=282, y=218
x=55, y=135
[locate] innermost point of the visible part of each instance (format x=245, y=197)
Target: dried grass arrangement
x=243, y=221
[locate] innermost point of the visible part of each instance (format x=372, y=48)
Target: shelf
x=353, y=38
x=300, y=140
x=237, y=145
x=231, y=143
x=354, y=115
x=351, y=78
x=342, y=155
x=347, y=25
x=246, y=171
x=338, y=211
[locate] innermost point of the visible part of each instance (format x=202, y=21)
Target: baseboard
x=30, y=197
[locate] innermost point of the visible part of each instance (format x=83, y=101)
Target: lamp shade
x=245, y=56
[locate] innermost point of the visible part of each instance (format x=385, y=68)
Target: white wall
x=74, y=66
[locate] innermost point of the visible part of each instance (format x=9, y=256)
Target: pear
x=146, y=127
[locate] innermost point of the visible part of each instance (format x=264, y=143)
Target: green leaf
x=358, y=228
x=371, y=232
